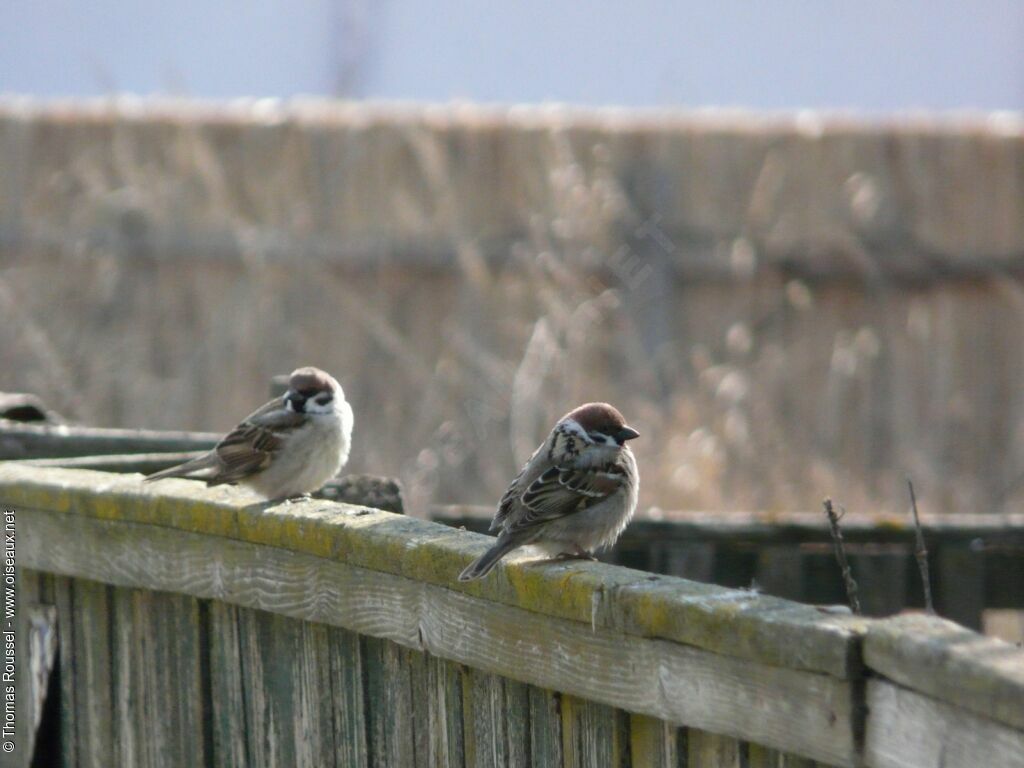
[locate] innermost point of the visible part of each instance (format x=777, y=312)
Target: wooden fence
x=976, y=562
x=185, y=626
x=786, y=307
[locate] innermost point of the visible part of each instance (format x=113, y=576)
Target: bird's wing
x=250, y=447
x=562, y=491
x=512, y=493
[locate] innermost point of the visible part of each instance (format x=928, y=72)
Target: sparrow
x=577, y=492
x=288, y=448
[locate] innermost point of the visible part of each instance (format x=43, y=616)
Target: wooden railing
x=193, y=627
x=976, y=561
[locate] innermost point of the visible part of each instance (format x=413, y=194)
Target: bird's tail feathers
x=206, y=461
x=483, y=564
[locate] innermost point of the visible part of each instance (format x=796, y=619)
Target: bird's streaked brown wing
x=562, y=491
x=250, y=446
x=512, y=493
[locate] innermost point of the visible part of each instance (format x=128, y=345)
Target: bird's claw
x=295, y=499
x=580, y=555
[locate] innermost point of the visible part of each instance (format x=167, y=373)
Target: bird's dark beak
x=297, y=401
x=626, y=433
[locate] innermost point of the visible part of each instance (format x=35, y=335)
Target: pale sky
x=874, y=54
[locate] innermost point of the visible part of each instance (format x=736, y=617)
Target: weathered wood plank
x=653, y=743
x=158, y=699
x=485, y=720
x=951, y=663
x=690, y=561
x=593, y=734
x=64, y=600
x=762, y=757
x=348, y=697
x=780, y=571
x=144, y=463
x=517, y=723
x=715, y=751
x=288, y=715
x=818, y=720
x=389, y=708
x=910, y=730
x=19, y=440
x=787, y=528
x=545, y=727
x=728, y=621
x=445, y=714
x=36, y=638
x=881, y=576
x=88, y=652
x=227, y=688
x=960, y=595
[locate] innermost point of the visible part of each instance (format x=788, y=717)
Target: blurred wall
x=784, y=308
x=872, y=54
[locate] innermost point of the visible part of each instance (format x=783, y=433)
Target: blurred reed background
x=785, y=307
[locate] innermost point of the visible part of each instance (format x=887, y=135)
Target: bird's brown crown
x=601, y=417
x=310, y=379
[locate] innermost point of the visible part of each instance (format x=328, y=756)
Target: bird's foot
x=295, y=499
x=579, y=554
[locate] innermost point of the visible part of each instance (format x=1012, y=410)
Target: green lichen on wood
x=728, y=621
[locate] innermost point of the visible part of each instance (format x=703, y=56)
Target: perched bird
x=289, y=447
x=576, y=493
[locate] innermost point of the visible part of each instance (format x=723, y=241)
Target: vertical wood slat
x=485, y=725
x=691, y=561
x=83, y=613
x=389, y=709
x=156, y=666
x=653, y=743
x=284, y=666
x=960, y=593
x=593, y=734
x=64, y=601
x=287, y=692
x=35, y=628
x=349, y=698
x=710, y=750
x=517, y=727
x=780, y=571
x=227, y=690
x=763, y=757
x=445, y=714
x=881, y=580
x=545, y=727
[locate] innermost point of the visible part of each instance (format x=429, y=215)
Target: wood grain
x=158, y=702
x=910, y=730
x=816, y=717
x=19, y=440
x=715, y=751
x=85, y=611
x=36, y=639
x=653, y=743
x=762, y=757
x=942, y=659
x=227, y=688
x=349, y=699
x=485, y=720
x=736, y=622
x=593, y=734
x=545, y=727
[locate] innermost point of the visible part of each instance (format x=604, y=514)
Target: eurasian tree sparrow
x=289, y=447
x=576, y=493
